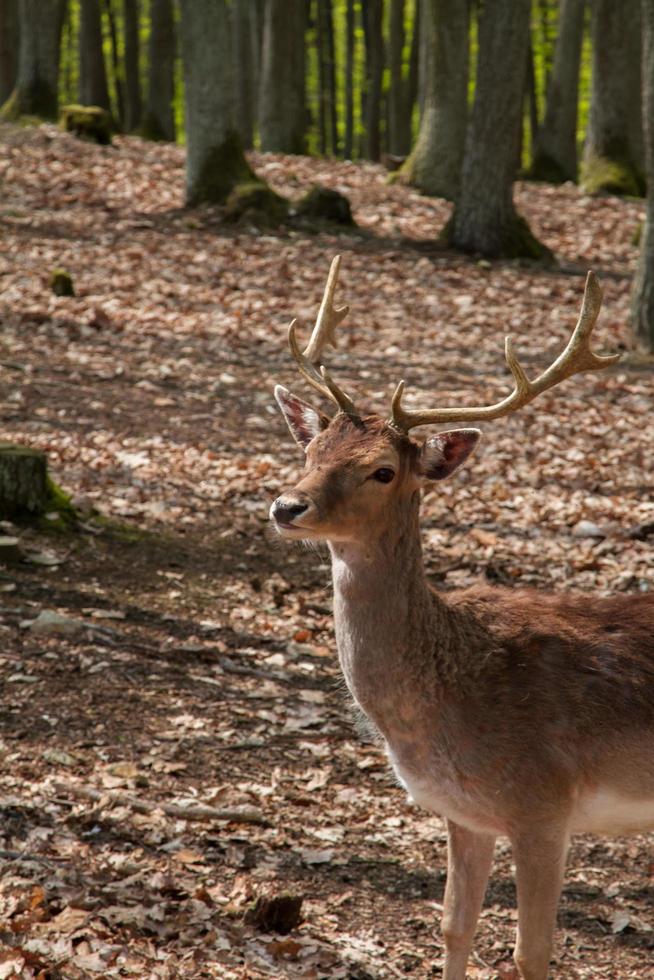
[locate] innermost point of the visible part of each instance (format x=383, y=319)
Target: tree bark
x=435, y=164
x=8, y=47
x=215, y=161
x=158, y=116
x=245, y=69
x=119, y=83
x=282, y=109
x=642, y=308
x=93, y=88
x=133, y=103
x=555, y=150
x=397, y=94
x=613, y=154
x=35, y=93
x=23, y=481
x=348, y=144
x=485, y=219
x=372, y=27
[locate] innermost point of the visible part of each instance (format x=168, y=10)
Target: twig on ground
x=200, y=811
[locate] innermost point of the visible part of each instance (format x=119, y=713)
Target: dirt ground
x=179, y=743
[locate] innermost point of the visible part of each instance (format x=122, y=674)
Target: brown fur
x=509, y=712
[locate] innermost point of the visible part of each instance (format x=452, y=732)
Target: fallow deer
x=508, y=712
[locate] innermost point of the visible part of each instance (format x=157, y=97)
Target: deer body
x=507, y=712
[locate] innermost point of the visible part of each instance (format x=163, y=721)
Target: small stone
x=587, y=529
x=52, y=622
x=10, y=552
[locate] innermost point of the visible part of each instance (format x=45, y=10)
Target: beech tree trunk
x=436, y=162
x=372, y=27
x=215, y=161
x=35, y=93
x=643, y=293
x=93, y=88
x=8, y=47
x=485, y=219
x=158, y=116
x=555, y=150
x=348, y=144
x=399, y=119
x=133, y=104
x=282, y=109
x=246, y=58
x=613, y=155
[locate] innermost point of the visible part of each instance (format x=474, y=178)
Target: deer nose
x=285, y=511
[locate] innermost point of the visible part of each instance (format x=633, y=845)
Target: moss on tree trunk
x=26, y=490
x=222, y=168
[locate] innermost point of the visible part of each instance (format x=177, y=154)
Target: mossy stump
x=324, y=204
x=61, y=283
x=26, y=490
x=89, y=122
x=256, y=202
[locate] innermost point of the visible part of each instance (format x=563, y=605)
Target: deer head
x=360, y=468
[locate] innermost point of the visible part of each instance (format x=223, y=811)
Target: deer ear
x=304, y=421
x=442, y=454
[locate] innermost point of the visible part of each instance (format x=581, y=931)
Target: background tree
x=613, y=153
x=93, y=87
x=643, y=293
x=131, y=29
x=372, y=96
x=8, y=47
x=215, y=162
x=35, y=92
x=158, y=115
x=435, y=164
x=555, y=151
x=246, y=68
x=485, y=219
x=282, y=112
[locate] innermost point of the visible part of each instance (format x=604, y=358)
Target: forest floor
x=195, y=662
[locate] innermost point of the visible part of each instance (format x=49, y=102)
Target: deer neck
x=387, y=618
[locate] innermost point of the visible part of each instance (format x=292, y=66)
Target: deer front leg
x=540, y=860
x=469, y=857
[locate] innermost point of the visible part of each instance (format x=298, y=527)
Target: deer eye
x=383, y=475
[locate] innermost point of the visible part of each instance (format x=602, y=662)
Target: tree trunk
x=435, y=164
x=131, y=27
x=35, y=93
x=245, y=90
x=115, y=63
x=614, y=145
x=348, y=145
x=282, y=109
x=555, y=150
x=158, y=117
x=327, y=30
x=215, y=161
x=93, y=88
x=23, y=481
x=372, y=27
x=8, y=47
x=642, y=308
x=484, y=218
x=397, y=107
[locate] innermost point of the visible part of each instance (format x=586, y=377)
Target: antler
x=323, y=333
x=576, y=357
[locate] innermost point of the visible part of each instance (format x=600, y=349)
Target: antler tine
x=328, y=317
x=575, y=358
x=323, y=333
